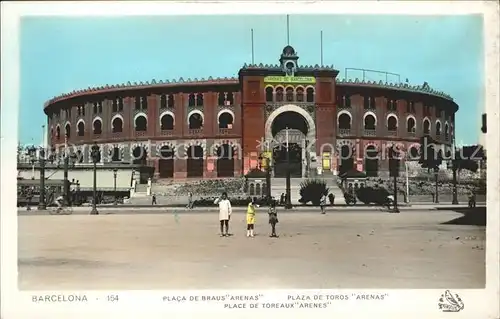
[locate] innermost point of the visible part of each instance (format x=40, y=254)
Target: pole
x=66, y=181
x=288, y=204
x=396, y=210
x=114, y=186
x=41, y=202
x=321, y=47
x=253, y=61
x=455, y=197
x=287, y=29
x=268, y=179
x=94, y=192
x=407, y=183
x=436, y=170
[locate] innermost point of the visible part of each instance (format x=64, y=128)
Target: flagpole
x=321, y=47
x=288, y=29
x=253, y=62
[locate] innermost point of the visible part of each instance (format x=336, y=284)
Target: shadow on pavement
x=471, y=216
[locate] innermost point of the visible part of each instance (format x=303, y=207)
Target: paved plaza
x=416, y=249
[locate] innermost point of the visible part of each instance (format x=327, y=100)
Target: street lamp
x=268, y=179
x=32, y=155
x=96, y=156
x=115, y=171
x=288, y=199
x=41, y=202
x=436, y=175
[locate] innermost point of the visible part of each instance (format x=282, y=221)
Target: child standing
x=251, y=216
x=225, y=211
x=273, y=218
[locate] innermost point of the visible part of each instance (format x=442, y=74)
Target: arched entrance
x=139, y=155
x=346, y=159
x=166, y=162
x=298, y=129
x=225, y=161
x=194, y=161
x=371, y=161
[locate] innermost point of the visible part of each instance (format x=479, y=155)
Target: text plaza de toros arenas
x=217, y=127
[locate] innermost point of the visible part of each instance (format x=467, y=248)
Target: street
x=184, y=251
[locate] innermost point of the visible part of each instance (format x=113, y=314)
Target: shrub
x=368, y=195
x=311, y=190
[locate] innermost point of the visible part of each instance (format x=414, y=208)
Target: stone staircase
x=278, y=186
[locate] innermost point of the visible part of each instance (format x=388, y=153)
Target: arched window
x=192, y=100
x=171, y=100
x=230, y=98
x=369, y=123
x=427, y=126
x=269, y=94
x=438, y=129
x=289, y=94
x=117, y=125
x=167, y=122
x=221, y=98
x=58, y=132
x=392, y=124
x=199, y=99
x=163, y=101
x=299, y=94
x=279, y=94
x=226, y=120
x=67, y=131
x=310, y=95
x=97, y=127
x=410, y=125
x=141, y=124
x=195, y=121
x=446, y=131
x=344, y=121
x=81, y=129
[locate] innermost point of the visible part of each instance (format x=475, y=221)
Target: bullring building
x=224, y=127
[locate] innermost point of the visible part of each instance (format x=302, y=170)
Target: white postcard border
x=481, y=303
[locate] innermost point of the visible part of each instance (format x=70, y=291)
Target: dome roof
x=288, y=50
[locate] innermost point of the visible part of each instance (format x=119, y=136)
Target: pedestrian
x=190, y=201
x=153, y=200
x=282, y=199
x=225, y=211
x=251, y=216
x=273, y=218
x=322, y=203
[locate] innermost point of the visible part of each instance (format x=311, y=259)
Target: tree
x=466, y=158
x=431, y=158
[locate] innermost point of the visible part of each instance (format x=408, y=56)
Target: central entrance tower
x=288, y=97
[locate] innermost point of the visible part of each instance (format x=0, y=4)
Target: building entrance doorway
x=296, y=126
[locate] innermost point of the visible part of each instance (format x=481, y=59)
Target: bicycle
x=61, y=211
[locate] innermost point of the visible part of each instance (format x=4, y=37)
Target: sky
x=61, y=54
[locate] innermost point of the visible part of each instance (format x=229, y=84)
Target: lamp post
x=66, y=180
x=41, y=203
x=268, y=179
x=95, y=158
x=32, y=155
x=115, y=171
x=288, y=201
x=436, y=173
x=455, y=191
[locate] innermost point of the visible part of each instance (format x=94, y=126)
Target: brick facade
x=248, y=105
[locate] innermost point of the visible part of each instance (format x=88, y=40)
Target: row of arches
x=225, y=120
x=344, y=122
x=289, y=94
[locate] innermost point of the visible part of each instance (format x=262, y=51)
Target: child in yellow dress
x=251, y=216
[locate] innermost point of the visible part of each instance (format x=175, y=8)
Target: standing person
x=190, y=201
x=153, y=200
x=273, y=218
x=251, y=216
x=322, y=203
x=225, y=211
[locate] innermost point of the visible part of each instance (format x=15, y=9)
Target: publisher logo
x=450, y=303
